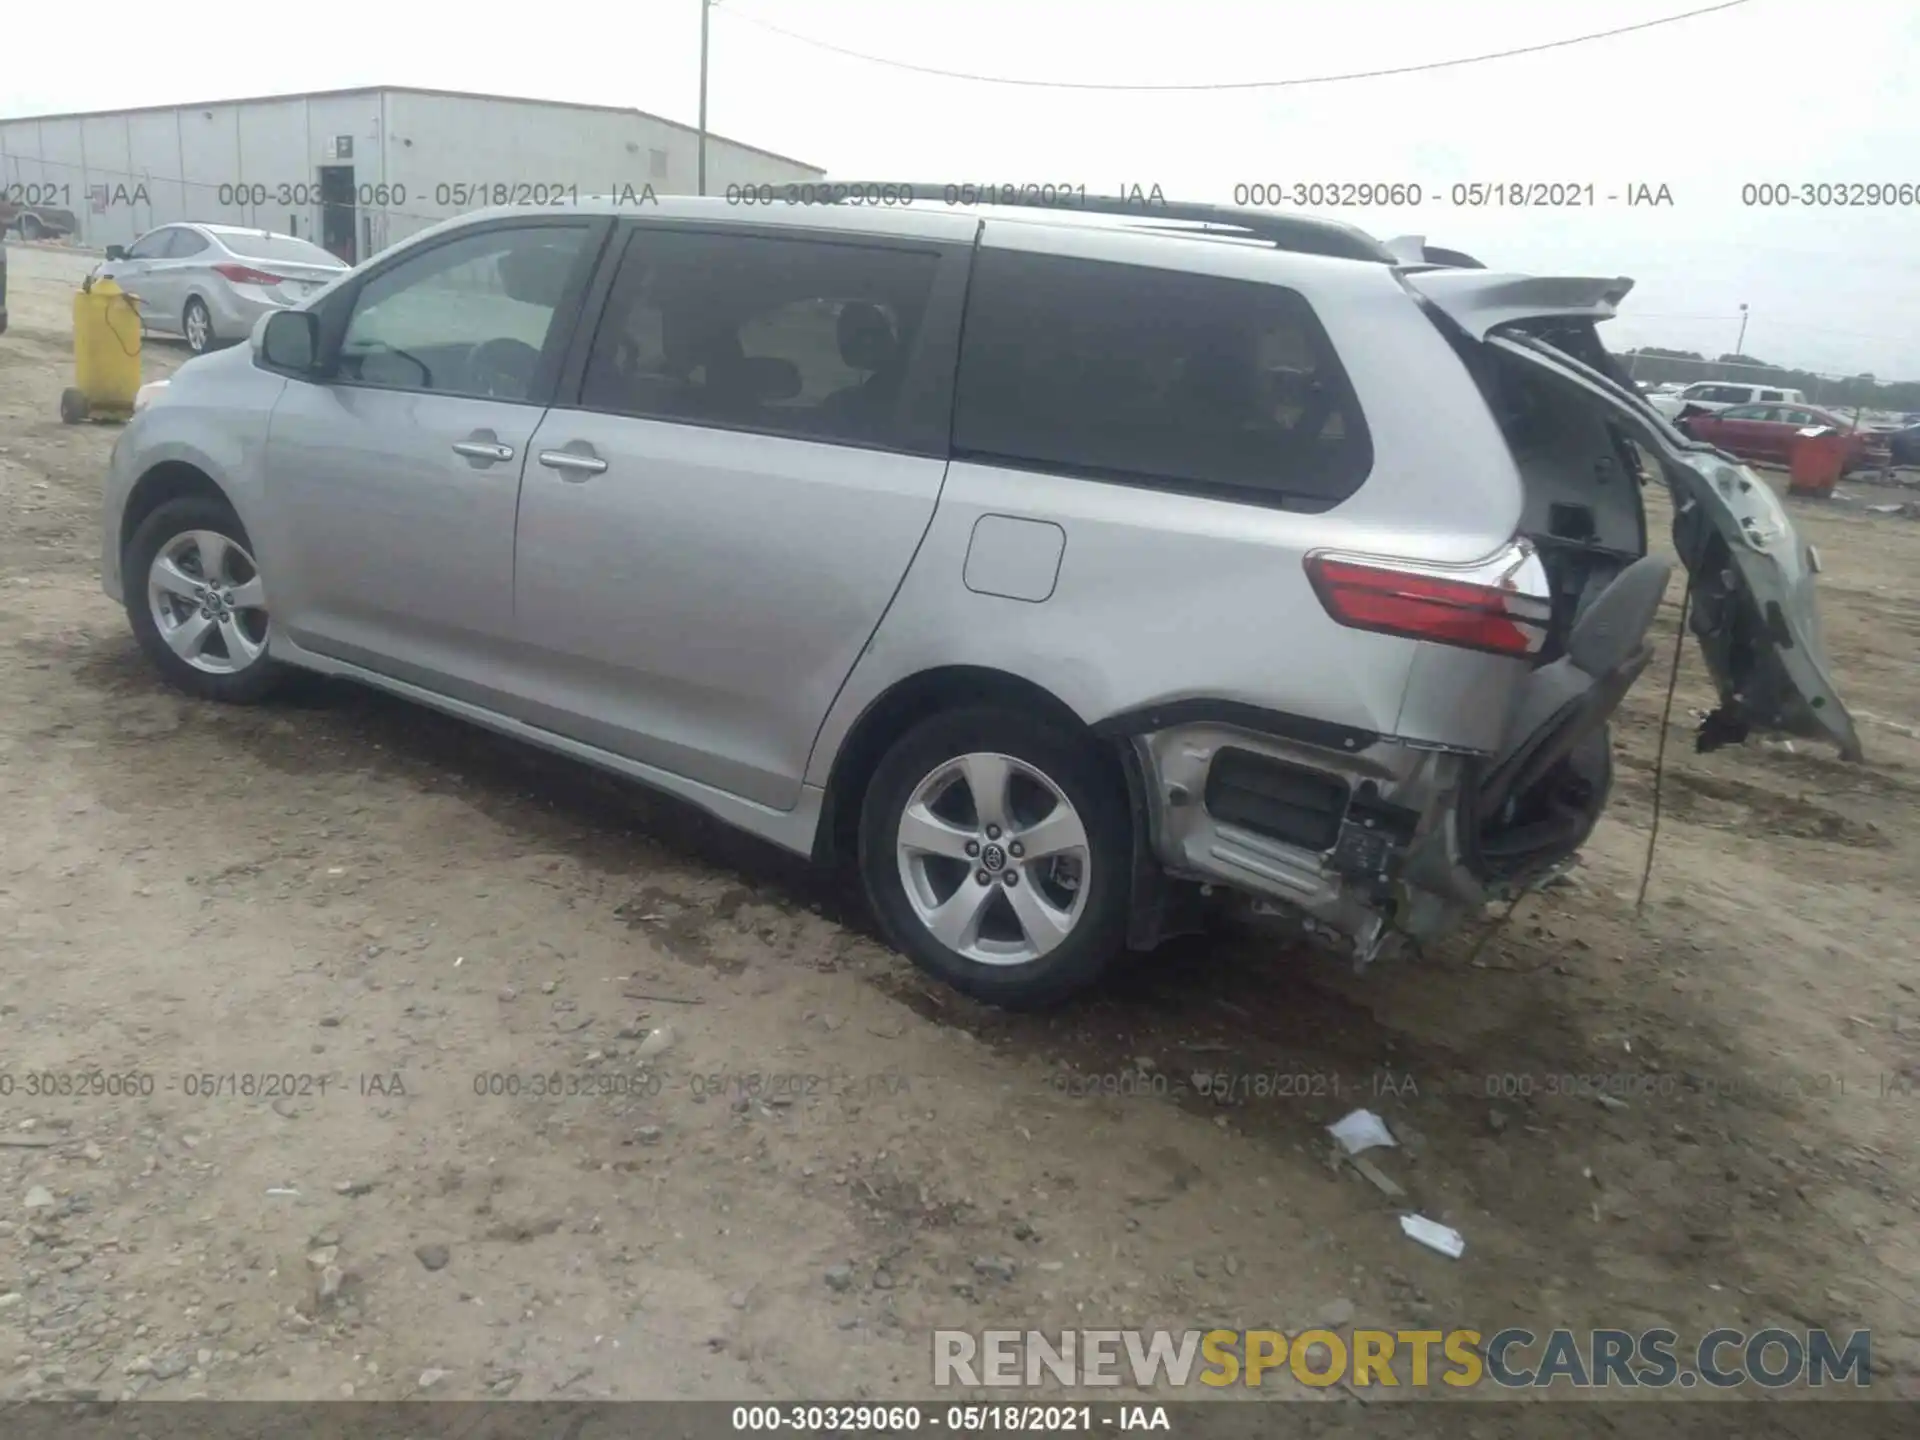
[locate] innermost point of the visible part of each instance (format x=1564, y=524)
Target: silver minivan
x=1059, y=567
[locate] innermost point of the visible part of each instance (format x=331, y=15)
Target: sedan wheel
x=996, y=849
x=197, y=325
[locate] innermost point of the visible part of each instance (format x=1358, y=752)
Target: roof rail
x=1301, y=233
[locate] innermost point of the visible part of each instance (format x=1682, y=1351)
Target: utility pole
x=1739, y=346
x=705, y=7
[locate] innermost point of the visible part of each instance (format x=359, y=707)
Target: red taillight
x=247, y=275
x=1428, y=607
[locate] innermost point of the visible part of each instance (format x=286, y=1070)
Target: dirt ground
x=344, y=889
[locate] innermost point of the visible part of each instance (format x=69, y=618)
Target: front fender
x=213, y=419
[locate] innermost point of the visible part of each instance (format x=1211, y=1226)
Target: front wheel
x=198, y=603
x=995, y=849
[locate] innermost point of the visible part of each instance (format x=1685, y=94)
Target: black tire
x=1073, y=764
x=237, y=687
x=31, y=228
x=206, y=342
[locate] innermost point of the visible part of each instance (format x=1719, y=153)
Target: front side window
x=472, y=316
x=793, y=337
x=1158, y=377
x=1744, y=412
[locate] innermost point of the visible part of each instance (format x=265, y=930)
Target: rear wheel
x=197, y=325
x=995, y=848
x=197, y=601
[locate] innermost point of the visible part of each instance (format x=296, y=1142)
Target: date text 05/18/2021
x=1463, y=195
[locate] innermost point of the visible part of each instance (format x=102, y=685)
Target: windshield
x=259, y=245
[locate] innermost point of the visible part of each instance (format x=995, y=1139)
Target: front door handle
x=483, y=450
x=572, y=465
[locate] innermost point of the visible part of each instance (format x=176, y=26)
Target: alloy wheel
x=994, y=859
x=208, y=602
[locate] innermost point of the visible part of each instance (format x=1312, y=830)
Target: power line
x=1652, y=315
x=1232, y=84
x=1772, y=323
x=1834, y=330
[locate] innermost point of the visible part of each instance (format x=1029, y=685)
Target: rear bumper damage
x=1352, y=849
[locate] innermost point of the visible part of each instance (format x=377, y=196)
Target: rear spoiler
x=1481, y=302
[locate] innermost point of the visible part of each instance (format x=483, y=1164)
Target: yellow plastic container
x=106, y=354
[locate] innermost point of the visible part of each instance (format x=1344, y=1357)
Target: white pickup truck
x=1710, y=395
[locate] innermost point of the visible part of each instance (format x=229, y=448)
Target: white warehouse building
x=356, y=170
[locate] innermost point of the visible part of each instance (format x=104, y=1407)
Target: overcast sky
x=1769, y=91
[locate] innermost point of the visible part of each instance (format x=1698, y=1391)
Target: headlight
x=147, y=394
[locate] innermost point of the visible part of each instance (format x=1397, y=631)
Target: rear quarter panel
x=1164, y=597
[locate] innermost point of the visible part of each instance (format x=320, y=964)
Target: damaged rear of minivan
x=1584, y=597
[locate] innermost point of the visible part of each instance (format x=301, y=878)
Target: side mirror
x=116, y=252
x=289, y=340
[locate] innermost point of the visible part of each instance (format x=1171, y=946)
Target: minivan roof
x=929, y=216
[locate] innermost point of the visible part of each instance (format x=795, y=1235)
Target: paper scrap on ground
x=1362, y=1130
x=1434, y=1235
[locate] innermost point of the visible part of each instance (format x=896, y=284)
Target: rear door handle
x=572, y=465
x=483, y=450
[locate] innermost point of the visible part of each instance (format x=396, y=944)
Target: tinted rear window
x=1161, y=377
x=278, y=247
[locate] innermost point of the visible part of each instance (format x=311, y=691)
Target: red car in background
x=1766, y=432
